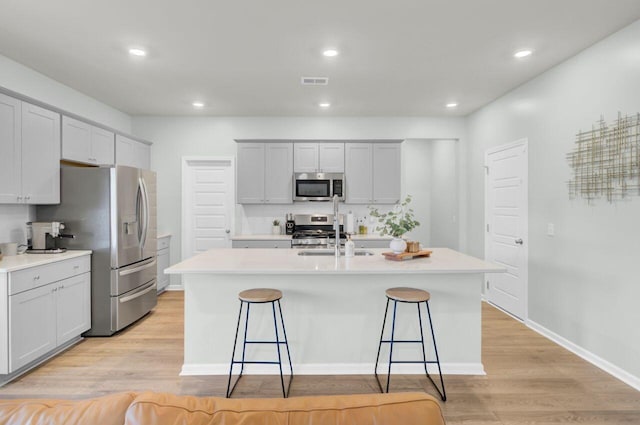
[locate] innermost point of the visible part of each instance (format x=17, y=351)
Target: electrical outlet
x=551, y=229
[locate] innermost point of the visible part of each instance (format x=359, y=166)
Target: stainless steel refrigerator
x=111, y=211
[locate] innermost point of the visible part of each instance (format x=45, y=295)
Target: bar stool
x=411, y=296
x=260, y=296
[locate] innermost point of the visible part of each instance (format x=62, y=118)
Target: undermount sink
x=327, y=253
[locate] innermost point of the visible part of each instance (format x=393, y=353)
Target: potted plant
x=396, y=223
x=276, y=227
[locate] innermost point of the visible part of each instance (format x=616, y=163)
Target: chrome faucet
x=336, y=225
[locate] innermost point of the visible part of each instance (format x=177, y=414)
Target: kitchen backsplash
x=257, y=219
x=13, y=220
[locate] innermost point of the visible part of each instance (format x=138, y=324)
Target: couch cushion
x=397, y=408
x=107, y=410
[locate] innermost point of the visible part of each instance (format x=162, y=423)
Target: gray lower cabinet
x=47, y=306
x=261, y=244
x=377, y=243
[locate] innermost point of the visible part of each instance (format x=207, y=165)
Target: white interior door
x=208, y=204
x=506, y=241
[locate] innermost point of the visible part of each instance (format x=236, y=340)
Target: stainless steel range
x=316, y=231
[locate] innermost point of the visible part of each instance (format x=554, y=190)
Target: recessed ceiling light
x=451, y=105
x=136, y=51
x=324, y=105
x=522, y=53
x=330, y=53
x=198, y=104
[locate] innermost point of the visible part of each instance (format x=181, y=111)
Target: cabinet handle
x=54, y=290
x=76, y=267
x=37, y=277
x=26, y=198
x=61, y=287
x=19, y=198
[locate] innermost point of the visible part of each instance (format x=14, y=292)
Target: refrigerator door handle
x=138, y=269
x=152, y=286
x=144, y=213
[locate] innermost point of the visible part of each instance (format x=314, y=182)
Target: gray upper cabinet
x=132, y=153
x=372, y=173
x=265, y=173
x=10, y=150
x=387, y=173
x=318, y=157
x=85, y=143
x=358, y=173
x=29, y=153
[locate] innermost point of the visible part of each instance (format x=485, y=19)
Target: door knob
x=227, y=231
x=519, y=241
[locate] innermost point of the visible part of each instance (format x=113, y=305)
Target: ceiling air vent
x=315, y=81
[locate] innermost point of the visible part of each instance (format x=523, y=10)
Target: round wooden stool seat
x=260, y=295
x=409, y=295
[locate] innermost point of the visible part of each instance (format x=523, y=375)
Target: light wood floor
x=529, y=380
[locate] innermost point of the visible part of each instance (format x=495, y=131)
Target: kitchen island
x=332, y=307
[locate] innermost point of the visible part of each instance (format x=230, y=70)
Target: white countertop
x=13, y=263
x=163, y=235
x=287, y=261
x=371, y=237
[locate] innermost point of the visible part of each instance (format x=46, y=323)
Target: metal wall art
x=606, y=160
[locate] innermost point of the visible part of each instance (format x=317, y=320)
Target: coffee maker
x=42, y=237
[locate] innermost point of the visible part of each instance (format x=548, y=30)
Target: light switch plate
x=551, y=229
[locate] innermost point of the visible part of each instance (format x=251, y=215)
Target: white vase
x=398, y=245
x=275, y=230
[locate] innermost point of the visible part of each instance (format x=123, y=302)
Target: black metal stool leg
x=244, y=342
x=286, y=344
x=443, y=394
x=375, y=370
x=233, y=353
x=275, y=326
x=393, y=330
x=424, y=350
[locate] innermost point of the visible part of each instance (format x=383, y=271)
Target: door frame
x=187, y=162
x=524, y=142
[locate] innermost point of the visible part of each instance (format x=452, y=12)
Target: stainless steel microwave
x=318, y=186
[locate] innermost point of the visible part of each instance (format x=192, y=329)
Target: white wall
x=583, y=282
x=23, y=80
x=175, y=137
x=26, y=81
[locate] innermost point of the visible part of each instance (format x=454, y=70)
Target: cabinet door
x=278, y=182
x=250, y=173
x=357, y=173
x=102, y=146
x=32, y=325
x=76, y=140
x=163, y=263
x=10, y=153
x=125, y=151
x=40, y=155
x=331, y=157
x=73, y=313
x=305, y=157
x=386, y=173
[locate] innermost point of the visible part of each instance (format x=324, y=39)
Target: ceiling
x=397, y=58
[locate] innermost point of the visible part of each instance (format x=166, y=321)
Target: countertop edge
x=36, y=260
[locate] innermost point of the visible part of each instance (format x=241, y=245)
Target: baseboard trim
x=587, y=355
x=174, y=288
x=333, y=369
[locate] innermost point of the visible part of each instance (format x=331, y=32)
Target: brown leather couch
x=167, y=409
